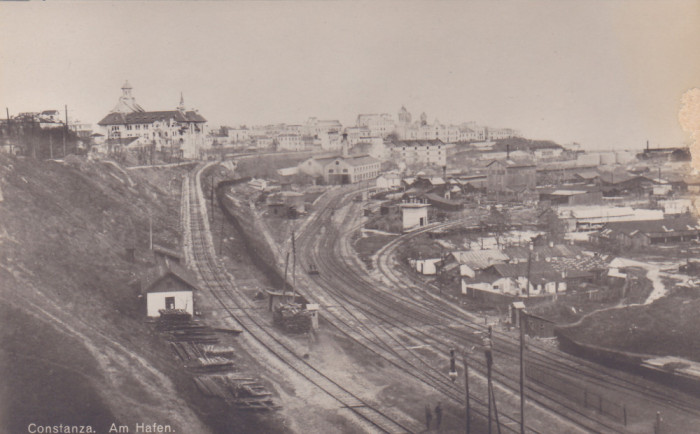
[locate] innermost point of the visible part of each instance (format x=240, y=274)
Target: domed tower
x=404, y=116
x=127, y=102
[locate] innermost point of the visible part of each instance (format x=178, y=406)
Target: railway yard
x=382, y=351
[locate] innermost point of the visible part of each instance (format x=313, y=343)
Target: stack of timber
x=179, y=326
x=217, y=350
x=210, y=364
x=292, y=317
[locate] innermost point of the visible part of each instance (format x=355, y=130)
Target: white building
x=315, y=127
x=351, y=169
x=379, y=125
x=290, y=142
x=427, y=152
x=182, y=132
x=239, y=134
x=388, y=181
x=168, y=287
x=414, y=215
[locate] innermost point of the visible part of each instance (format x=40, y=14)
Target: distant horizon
x=607, y=76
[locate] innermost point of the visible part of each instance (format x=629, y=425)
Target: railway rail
x=201, y=256
x=549, y=359
x=399, y=320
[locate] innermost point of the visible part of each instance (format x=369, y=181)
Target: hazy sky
x=604, y=74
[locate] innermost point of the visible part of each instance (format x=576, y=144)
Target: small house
x=414, y=215
x=168, y=287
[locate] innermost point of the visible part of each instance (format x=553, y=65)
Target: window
x=170, y=303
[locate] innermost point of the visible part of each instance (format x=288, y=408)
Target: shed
x=168, y=287
x=538, y=326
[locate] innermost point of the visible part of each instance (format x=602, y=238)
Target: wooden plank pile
x=217, y=350
x=212, y=365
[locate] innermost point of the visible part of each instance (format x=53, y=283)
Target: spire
x=181, y=107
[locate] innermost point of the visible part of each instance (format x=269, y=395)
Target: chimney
x=444, y=172
x=647, y=145
x=507, y=151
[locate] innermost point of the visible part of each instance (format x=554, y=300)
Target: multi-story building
x=290, y=142
x=351, y=169
x=508, y=176
x=182, y=132
x=315, y=127
x=239, y=134
x=379, y=125
x=427, y=152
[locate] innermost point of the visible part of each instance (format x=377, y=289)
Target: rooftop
x=150, y=117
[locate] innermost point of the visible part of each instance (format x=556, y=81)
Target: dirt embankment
x=73, y=339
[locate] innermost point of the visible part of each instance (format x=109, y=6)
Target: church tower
x=404, y=116
x=181, y=107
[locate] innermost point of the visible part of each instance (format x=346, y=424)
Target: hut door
x=170, y=303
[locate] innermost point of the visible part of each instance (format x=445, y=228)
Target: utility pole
x=294, y=266
x=65, y=128
x=221, y=236
x=522, y=374
x=150, y=231
x=466, y=389
x=9, y=128
x=489, y=360
x=529, y=266
x=50, y=146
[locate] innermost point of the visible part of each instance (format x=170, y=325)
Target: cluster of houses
x=373, y=129
x=500, y=275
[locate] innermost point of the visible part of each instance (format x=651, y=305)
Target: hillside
x=74, y=347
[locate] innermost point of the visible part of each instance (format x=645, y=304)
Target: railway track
x=355, y=305
x=559, y=362
x=201, y=256
x=391, y=319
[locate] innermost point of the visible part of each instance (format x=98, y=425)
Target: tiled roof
x=521, y=269
x=665, y=226
x=155, y=274
x=150, y=117
x=479, y=259
x=124, y=141
x=556, y=251
x=435, y=142
x=360, y=160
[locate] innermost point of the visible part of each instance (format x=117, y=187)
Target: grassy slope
x=666, y=327
x=72, y=333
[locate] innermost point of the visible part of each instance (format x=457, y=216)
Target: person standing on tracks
x=428, y=417
x=438, y=415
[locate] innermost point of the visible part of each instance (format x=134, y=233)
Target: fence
x=573, y=391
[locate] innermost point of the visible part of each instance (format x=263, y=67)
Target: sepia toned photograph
x=349, y=217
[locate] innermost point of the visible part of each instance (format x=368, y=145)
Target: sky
x=607, y=75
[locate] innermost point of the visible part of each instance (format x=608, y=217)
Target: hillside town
x=509, y=218
x=247, y=253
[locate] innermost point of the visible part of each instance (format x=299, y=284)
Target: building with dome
x=179, y=133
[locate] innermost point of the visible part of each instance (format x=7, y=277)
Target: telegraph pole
x=50, y=146
x=65, y=127
x=489, y=361
x=294, y=266
x=466, y=388
x=522, y=374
